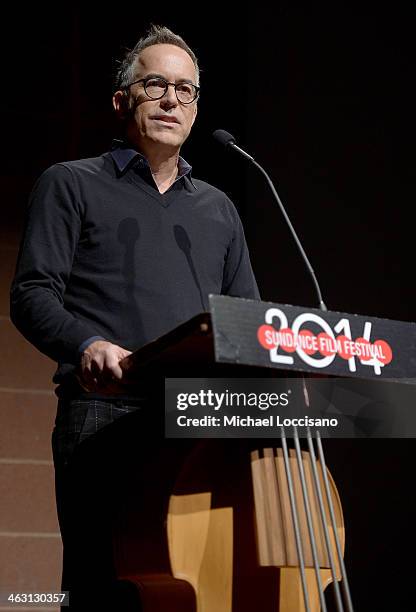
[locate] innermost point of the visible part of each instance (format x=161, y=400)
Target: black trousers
x=90, y=485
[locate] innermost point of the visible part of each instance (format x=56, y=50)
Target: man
x=120, y=249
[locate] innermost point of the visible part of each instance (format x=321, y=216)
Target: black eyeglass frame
x=175, y=85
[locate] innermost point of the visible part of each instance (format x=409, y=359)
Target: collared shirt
x=123, y=155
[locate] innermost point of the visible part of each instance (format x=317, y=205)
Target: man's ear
x=121, y=104
x=195, y=113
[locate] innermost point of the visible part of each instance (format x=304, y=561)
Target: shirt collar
x=123, y=155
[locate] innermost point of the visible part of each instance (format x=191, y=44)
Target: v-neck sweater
x=105, y=254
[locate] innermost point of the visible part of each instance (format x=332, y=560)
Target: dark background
x=323, y=98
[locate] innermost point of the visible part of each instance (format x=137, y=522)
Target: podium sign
x=263, y=334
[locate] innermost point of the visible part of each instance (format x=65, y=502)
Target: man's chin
x=167, y=140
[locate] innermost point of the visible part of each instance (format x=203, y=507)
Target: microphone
x=228, y=140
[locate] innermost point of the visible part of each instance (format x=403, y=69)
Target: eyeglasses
x=156, y=88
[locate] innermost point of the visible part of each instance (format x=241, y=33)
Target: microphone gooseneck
x=228, y=140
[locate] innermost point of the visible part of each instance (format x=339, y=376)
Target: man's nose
x=169, y=98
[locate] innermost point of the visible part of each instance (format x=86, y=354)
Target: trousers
x=89, y=477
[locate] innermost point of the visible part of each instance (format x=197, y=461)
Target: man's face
x=165, y=122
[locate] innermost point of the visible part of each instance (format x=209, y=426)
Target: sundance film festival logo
x=320, y=349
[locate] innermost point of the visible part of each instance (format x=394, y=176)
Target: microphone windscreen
x=223, y=137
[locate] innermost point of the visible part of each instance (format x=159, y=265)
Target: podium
x=243, y=332
x=161, y=485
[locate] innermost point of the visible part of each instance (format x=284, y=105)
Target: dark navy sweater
x=104, y=254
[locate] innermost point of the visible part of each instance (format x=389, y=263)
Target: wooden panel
x=24, y=367
x=27, y=498
x=30, y=563
x=26, y=423
x=201, y=548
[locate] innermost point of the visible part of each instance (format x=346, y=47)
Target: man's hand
x=100, y=367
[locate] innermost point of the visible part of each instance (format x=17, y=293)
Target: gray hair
x=156, y=35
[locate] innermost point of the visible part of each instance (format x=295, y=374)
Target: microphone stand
x=228, y=140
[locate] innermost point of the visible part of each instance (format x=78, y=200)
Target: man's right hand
x=100, y=366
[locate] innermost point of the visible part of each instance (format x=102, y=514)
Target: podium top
x=265, y=335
